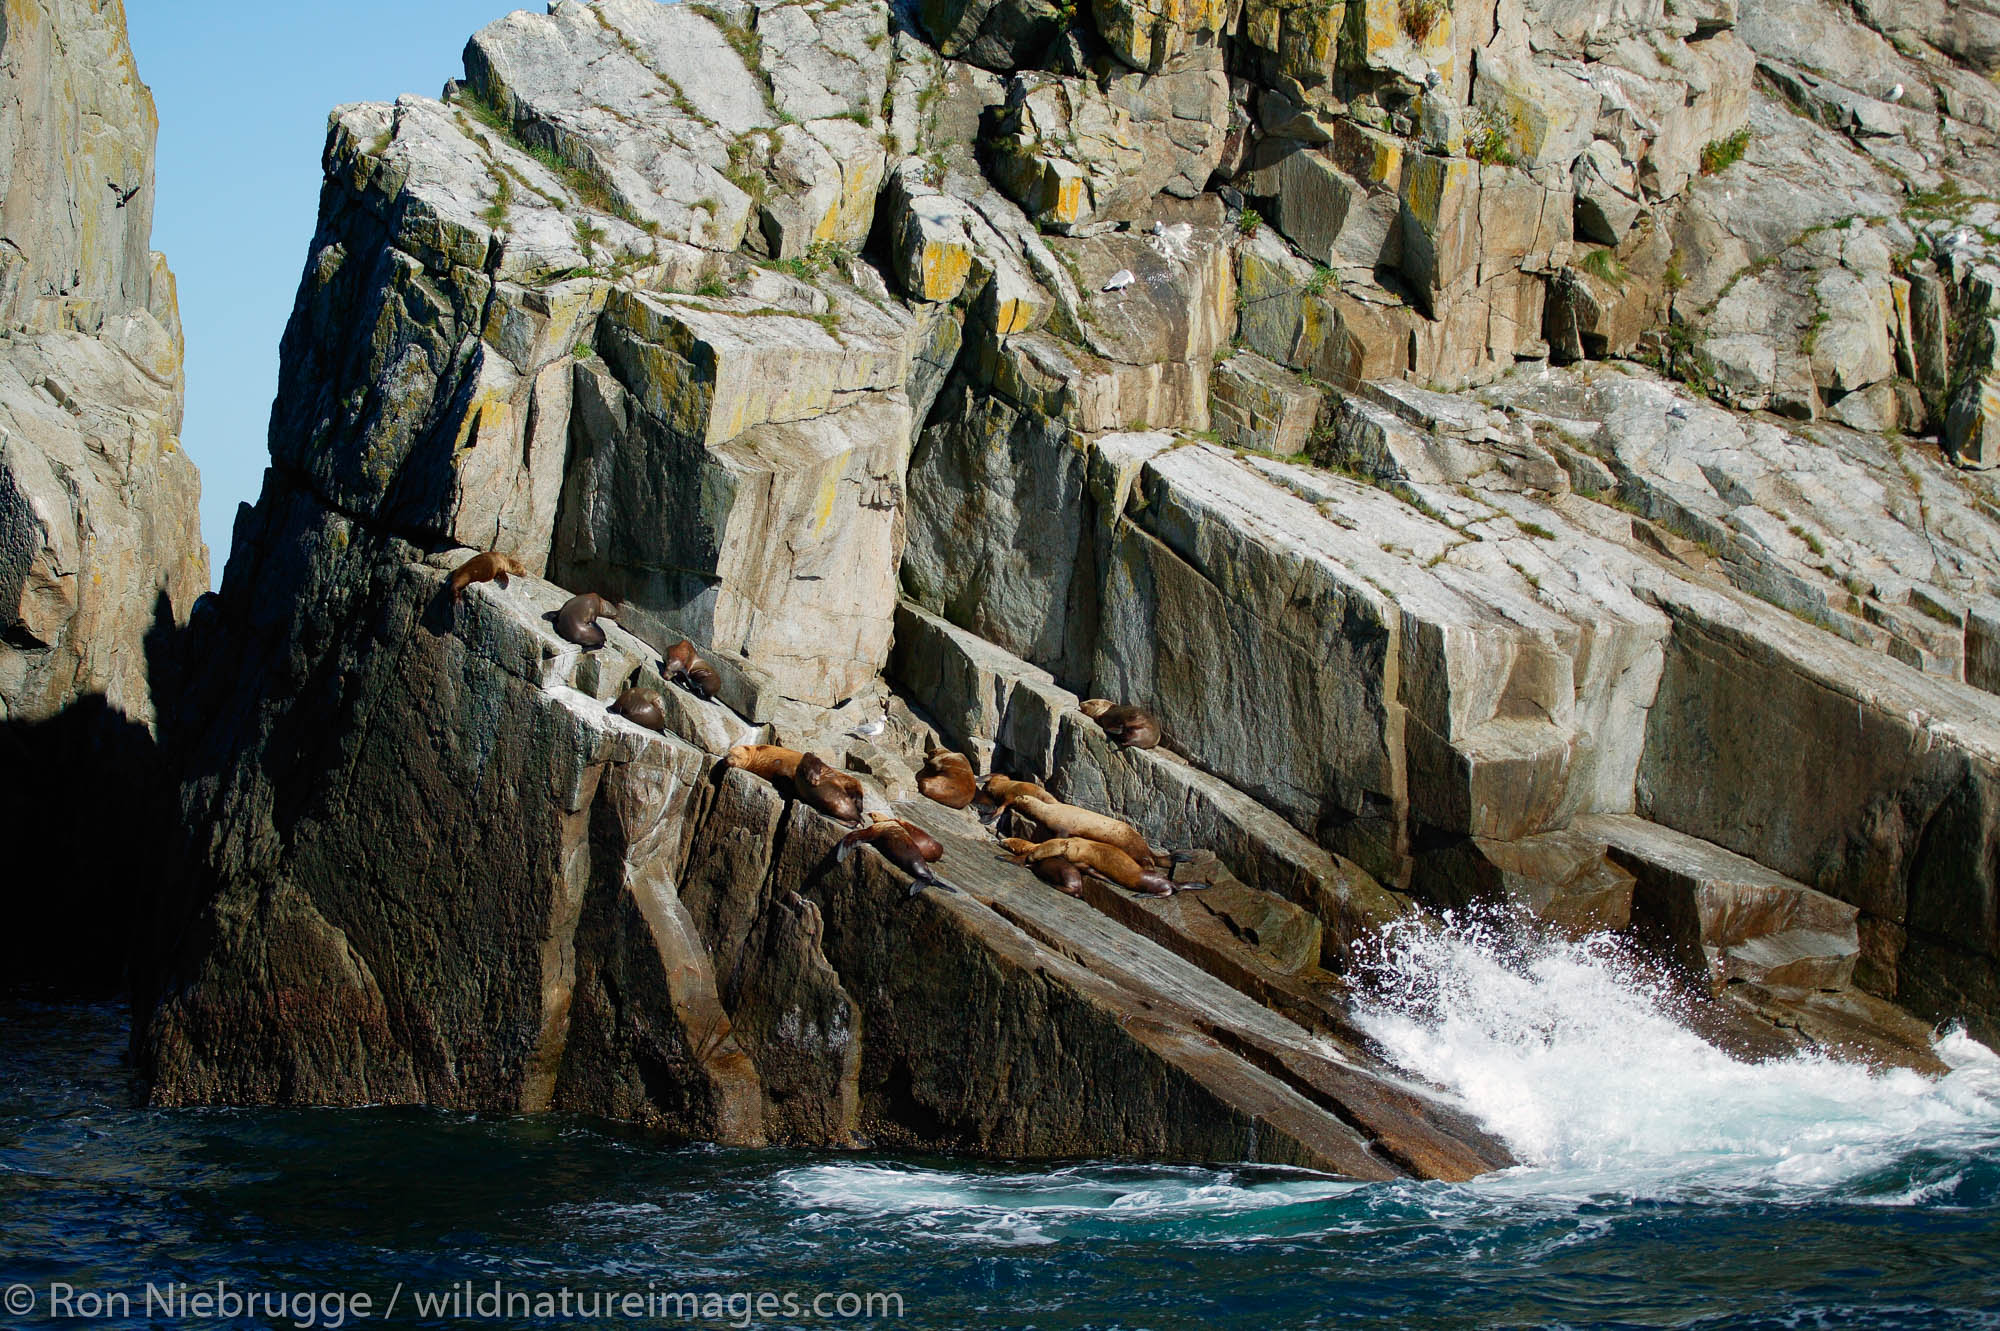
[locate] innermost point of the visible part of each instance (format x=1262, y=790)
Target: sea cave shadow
x=89, y=817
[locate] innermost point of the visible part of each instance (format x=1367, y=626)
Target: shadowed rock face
x=487, y=892
x=100, y=553
x=1438, y=612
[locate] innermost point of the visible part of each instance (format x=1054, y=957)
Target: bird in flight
x=124, y=194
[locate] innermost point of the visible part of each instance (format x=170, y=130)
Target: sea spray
x=1574, y=1052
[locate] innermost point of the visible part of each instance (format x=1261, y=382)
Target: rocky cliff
x=1527, y=455
x=100, y=551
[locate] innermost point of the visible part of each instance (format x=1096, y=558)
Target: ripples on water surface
x=1664, y=1186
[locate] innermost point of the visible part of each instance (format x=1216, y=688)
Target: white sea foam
x=1573, y=1056
x=1023, y=1209
x=1571, y=1053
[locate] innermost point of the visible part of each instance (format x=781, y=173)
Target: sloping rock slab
x=1728, y=917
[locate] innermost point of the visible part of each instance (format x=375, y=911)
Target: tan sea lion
x=892, y=837
x=642, y=707
x=577, y=621
x=766, y=760
x=834, y=793
x=1003, y=790
x=1059, y=872
x=947, y=778
x=1106, y=861
x=690, y=671
x=1069, y=820
x=490, y=566
x=1131, y=727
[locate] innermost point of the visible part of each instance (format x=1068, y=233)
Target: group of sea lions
x=577, y=622
x=839, y=796
x=1073, y=840
x=681, y=666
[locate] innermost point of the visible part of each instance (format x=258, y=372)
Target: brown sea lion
x=1059, y=872
x=642, y=707
x=1069, y=820
x=927, y=844
x=892, y=837
x=577, y=621
x=1106, y=861
x=766, y=760
x=834, y=793
x=1130, y=727
x=825, y=788
x=947, y=778
x=491, y=566
x=703, y=680
x=690, y=671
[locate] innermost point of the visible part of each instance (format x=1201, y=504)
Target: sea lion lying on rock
x=834, y=793
x=690, y=671
x=766, y=760
x=1106, y=861
x=902, y=844
x=491, y=566
x=577, y=621
x=1059, y=872
x=947, y=778
x=1069, y=820
x=1004, y=790
x=1130, y=727
x=641, y=707
x=927, y=844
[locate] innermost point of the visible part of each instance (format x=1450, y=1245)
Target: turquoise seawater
x=1667, y=1187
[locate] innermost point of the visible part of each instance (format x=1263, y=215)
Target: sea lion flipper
x=501, y=577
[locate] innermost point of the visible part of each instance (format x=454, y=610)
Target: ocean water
x=1663, y=1186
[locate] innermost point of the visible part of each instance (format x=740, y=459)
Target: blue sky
x=243, y=88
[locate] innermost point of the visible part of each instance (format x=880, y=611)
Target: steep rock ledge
x=101, y=557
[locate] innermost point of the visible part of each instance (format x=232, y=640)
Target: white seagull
x=1170, y=242
x=1896, y=93
x=1119, y=280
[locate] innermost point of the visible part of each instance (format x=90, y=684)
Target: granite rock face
x=101, y=556
x=1474, y=434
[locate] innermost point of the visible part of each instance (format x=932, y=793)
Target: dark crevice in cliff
x=92, y=830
